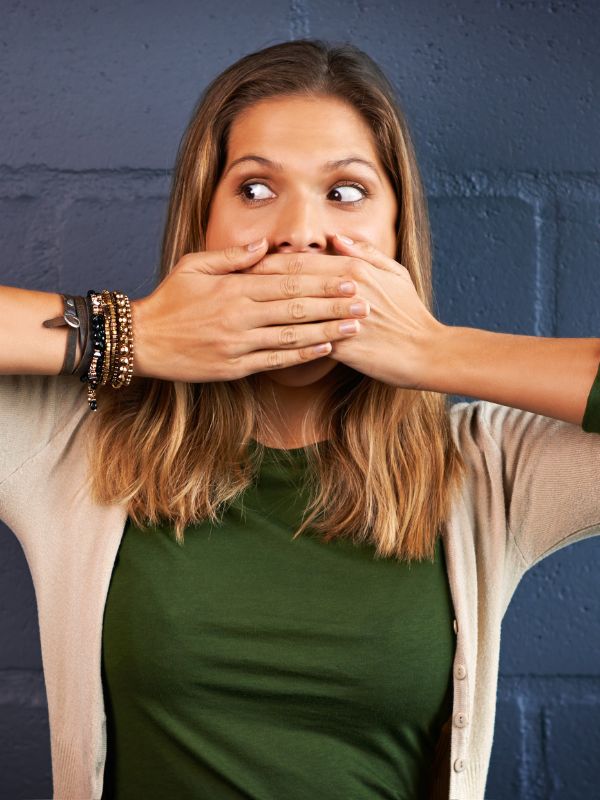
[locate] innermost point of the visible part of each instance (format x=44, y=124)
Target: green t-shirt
x=247, y=664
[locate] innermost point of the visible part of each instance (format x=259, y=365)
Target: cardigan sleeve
x=550, y=472
x=33, y=409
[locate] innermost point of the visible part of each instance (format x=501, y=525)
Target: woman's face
x=302, y=205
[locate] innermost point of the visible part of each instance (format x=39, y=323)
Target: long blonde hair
x=177, y=453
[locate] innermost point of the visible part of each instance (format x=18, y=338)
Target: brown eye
x=357, y=188
x=246, y=188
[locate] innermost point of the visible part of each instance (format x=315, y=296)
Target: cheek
x=387, y=240
x=388, y=232
x=221, y=225
x=213, y=231
x=227, y=227
x=379, y=231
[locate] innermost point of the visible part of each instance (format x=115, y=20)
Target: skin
x=299, y=210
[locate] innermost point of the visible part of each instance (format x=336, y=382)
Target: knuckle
x=186, y=261
x=304, y=354
x=338, y=309
x=288, y=335
x=290, y=285
x=227, y=368
x=227, y=349
x=226, y=335
x=231, y=254
x=260, y=267
x=368, y=248
x=331, y=331
x=234, y=370
x=224, y=326
x=295, y=263
x=329, y=286
x=296, y=310
x=358, y=270
x=222, y=287
x=274, y=359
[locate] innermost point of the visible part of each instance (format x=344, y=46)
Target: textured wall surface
x=502, y=99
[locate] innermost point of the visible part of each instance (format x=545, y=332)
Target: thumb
x=230, y=259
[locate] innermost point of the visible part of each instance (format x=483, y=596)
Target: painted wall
x=502, y=99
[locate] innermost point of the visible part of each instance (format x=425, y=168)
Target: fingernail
x=256, y=245
x=345, y=239
x=322, y=348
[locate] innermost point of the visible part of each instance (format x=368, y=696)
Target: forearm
x=26, y=346
x=549, y=376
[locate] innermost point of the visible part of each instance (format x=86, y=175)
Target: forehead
x=311, y=124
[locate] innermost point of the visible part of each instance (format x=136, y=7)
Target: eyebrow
x=328, y=166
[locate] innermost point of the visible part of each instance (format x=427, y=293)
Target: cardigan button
x=460, y=671
x=459, y=764
x=455, y=626
x=460, y=719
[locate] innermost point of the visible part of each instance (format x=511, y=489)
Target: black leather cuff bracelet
x=70, y=318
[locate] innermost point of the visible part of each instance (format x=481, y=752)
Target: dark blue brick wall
x=502, y=100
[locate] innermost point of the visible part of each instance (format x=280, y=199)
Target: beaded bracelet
x=111, y=331
x=98, y=344
x=124, y=364
x=101, y=321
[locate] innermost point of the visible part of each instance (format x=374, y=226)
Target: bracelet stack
x=101, y=321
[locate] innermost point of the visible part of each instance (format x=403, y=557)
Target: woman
x=237, y=648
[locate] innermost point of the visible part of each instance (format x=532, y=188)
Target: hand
x=202, y=323
x=394, y=342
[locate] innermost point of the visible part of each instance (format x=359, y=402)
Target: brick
x=552, y=626
x=572, y=749
x=100, y=86
x=506, y=85
x=25, y=764
x=578, y=286
x=113, y=244
x=482, y=248
x=506, y=759
x=18, y=217
x=19, y=631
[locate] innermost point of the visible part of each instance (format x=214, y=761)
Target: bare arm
x=548, y=376
x=26, y=346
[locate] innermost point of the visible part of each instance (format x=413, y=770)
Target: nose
x=299, y=228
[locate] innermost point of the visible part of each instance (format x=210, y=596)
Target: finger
x=302, y=336
x=299, y=264
x=301, y=310
x=265, y=360
x=368, y=252
x=230, y=259
x=278, y=287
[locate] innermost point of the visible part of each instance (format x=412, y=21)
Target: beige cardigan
x=532, y=488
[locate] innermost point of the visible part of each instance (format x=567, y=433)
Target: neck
x=285, y=408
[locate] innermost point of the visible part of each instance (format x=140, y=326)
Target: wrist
x=470, y=362
x=141, y=360
x=436, y=357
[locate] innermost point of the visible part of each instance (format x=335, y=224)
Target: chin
x=302, y=374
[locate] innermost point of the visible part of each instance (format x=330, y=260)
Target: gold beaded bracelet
x=123, y=372
x=112, y=359
x=109, y=336
x=102, y=323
